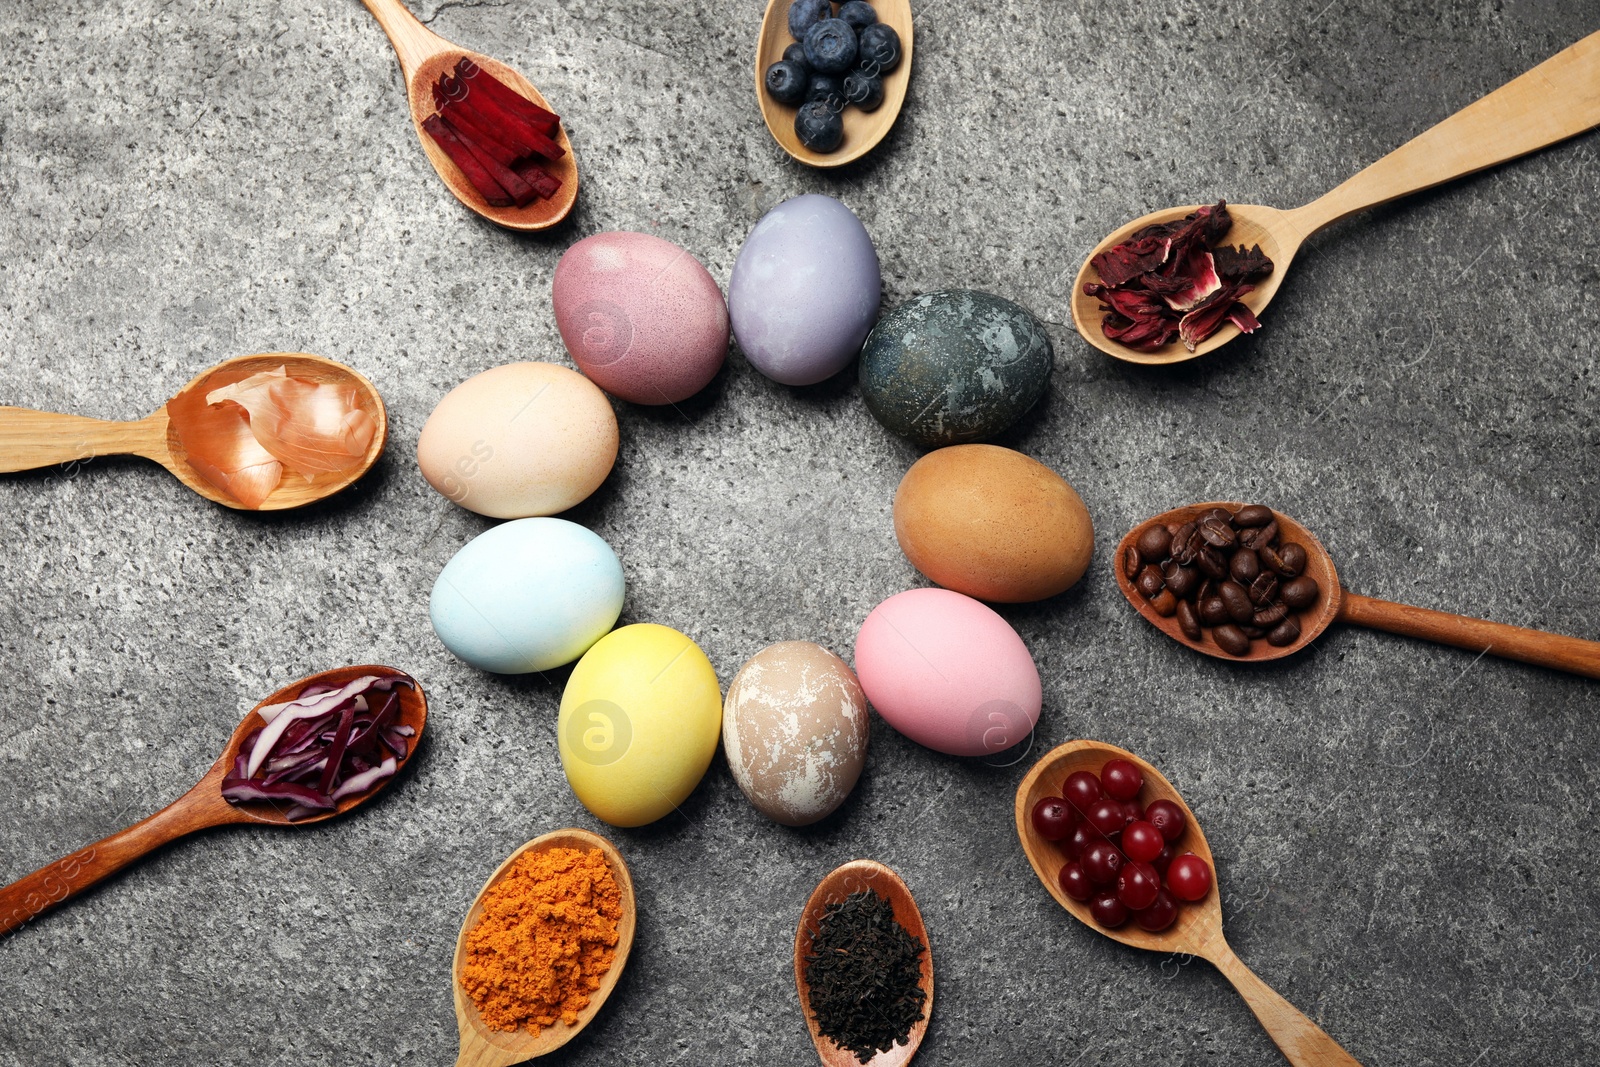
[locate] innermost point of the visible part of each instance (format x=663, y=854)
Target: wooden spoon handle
x=1559, y=98
x=31, y=439
x=1560, y=653
x=1302, y=1042
x=413, y=42
x=36, y=893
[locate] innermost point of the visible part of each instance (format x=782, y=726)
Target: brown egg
x=794, y=727
x=992, y=523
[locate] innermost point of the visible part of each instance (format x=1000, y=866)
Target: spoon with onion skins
x=201, y=808
x=1198, y=929
x=1558, y=99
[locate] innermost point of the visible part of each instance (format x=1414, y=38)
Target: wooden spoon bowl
x=482, y=1046
x=862, y=129
x=853, y=877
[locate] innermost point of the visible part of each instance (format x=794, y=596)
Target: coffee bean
x=1286, y=632
x=1188, y=622
x=1253, y=515
x=1236, y=600
x=1213, y=612
x=1184, y=544
x=1165, y=603
x=1253, y=631
x=1244, y=566
x=1131, y=563
x=1150, y=582
x=1211, y=563
x=1294, y=557
x=1207, y=590
x=1263, y=589
x=1272, y=561
x=1218, y=533
x=1181, y=580
x=1261, y=535
x=1222, y=515
x=1231, y=639
x=1270, y=615
x=1154, y=542
x=1300, y=593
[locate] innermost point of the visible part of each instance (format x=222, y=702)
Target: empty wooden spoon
x=853, y=877
x=424, y=55
x=200, y=808
x=1558, y=99
x=483, y=1047
x=1335, y=603
x=862, y=129
x=31, y=439
x=1198, y=929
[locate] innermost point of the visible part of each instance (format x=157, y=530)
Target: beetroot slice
x=537, y=117
x=521, y=192
x=463, y=157
x=469, y=128
x=492, y=113
x=544, y=183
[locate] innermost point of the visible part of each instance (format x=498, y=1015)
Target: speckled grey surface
x=1403, y=831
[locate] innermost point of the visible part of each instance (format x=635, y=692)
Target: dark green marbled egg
x=954, y=366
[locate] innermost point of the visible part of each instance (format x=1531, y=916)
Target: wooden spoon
x=200, y=808
x=839, y=884
x=424, y=55
x=31, y=439
x=1198, y=929
x=483, y=1047
x=862, y=129
x=1542, y=649
x=1558, y=99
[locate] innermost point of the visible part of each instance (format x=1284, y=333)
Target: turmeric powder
x=547, y=935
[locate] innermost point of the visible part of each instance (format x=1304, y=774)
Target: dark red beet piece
x=536, y=116
x=544, y=183
x=521, y=192
x=491, y=191
x=509, y=127
x=470, y=129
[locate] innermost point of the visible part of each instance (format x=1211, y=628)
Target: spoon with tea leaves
x=482, y=1046
x=841, y=883
x=1558, y=99
x=496, y=144
x=315, y=749
x=1197, y=929
x=259, y=433
x=1245, y=582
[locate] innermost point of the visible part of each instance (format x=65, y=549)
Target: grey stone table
x=1403, y=831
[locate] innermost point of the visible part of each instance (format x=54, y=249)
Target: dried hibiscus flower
x=1176, y=281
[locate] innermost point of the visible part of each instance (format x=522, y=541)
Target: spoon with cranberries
x=1115, y=844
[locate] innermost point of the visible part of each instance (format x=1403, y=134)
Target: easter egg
x=527, y=596
x=519, y=440
x=794, y=727
x=639, y=723
x=948, y=672
x=954, y=366
x=640, y=316
x=992, y=523
x=804, y=290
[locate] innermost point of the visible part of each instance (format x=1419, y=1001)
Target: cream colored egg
x=519, y=440
x=794, y=727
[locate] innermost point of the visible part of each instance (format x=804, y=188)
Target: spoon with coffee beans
x=1241, y=581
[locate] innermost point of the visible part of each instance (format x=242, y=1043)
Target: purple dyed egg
x=804, y=291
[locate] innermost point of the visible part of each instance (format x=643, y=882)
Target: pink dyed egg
x=948, y=672
x=641, y=317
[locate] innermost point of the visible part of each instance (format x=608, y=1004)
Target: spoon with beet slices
x=1558, y=99
x=1157, y=544
x=1197, y=930
x=282, y=803
x=485, y=128
x=204, y=445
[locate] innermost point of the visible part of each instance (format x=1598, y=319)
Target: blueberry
x=880, y=46
x=858, y=13
x=803, y=14
x=819, y=127
x=831, y=46
x=823, y=86
x=786, y=82
x=796, y=53
x=863, y=90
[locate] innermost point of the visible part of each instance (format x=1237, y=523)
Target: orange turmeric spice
x=547, y=935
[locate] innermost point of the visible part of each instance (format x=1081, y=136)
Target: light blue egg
x=527, y=595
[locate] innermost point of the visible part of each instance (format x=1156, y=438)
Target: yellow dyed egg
x=640, y=719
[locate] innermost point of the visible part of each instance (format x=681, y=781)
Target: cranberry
x=1159, y=915
x=1121, y=779
x=1189, y=877
x=1082, y=790
x=1131, y=811
x=1077, y=843
x=1163, y=861
x=1166, y=817
x=1102, y=862
x=1076, y=884
x=1108, y=911
x=1140, y=840
x=1053, y=818
x=1107, y=816
x=1138, y=884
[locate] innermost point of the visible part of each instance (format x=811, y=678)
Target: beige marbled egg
x=794, y=727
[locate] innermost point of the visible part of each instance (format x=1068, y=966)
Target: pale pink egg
x=948, y=672
x=640, y=316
